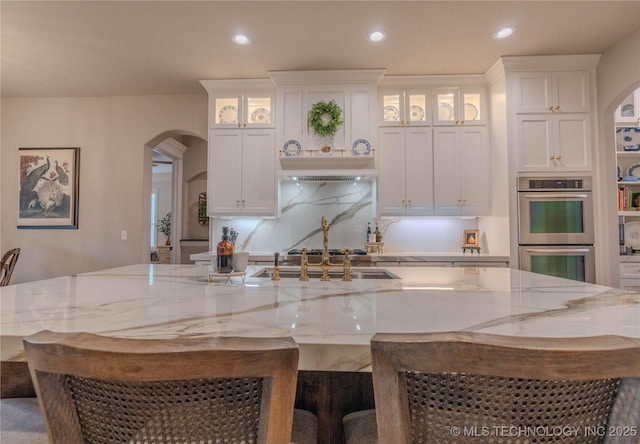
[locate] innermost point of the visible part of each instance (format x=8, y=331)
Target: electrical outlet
x=123, y=235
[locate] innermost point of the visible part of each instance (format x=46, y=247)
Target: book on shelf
x=628, y=200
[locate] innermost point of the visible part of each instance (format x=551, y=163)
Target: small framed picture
x=471, y=239
x=49, y=179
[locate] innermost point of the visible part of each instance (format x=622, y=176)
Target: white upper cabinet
x=399, y=107
x=242, y=110
x=553, y=92
x=461, y=171
x=353, y=91
x=241, y=173
x=551, y=121
x=241, y=103
x=456, y=106
x=405, y=185
x=629, y=110
x=554, y=143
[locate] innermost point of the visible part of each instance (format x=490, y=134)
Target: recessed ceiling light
x=504, y=32
x=377, y=36
x=241, y=39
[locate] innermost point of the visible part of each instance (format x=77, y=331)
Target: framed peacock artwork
x=49, y=180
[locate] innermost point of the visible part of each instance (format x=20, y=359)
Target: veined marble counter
x=392, y=256
x=332, y=322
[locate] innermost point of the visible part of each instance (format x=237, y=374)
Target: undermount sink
x=336, y=273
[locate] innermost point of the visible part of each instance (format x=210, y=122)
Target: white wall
x=111, y=133
x=618, y=74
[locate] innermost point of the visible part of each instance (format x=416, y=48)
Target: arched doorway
x=175, y=145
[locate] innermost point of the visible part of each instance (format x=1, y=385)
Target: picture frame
x=48, y=188
x=471, y=239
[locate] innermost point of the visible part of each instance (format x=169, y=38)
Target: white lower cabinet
x=405, y=183
x=461, y=171
x=630, y=276
x=241, y=178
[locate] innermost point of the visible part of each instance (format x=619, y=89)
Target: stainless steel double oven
x=555, y=226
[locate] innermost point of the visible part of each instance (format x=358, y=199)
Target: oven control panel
x=553, y=183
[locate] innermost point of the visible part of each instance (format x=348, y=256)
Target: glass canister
x=224, y=253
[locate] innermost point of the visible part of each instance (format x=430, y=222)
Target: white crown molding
x=495, y=73
x=551, y=62
x=444, y=81
x=327, y=77
x=237, y=85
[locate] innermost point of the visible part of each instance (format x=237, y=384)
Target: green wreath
x=325, y=118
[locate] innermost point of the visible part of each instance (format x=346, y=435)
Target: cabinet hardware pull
x=558, y=157
x=239, y=125
x=244, y=125
x=552, y=157
x=409, y=201
x=238, y=203
x=457, y=122
x=462, y=122
x=551, y=108
x=572, y=196
x=557, y=108
x=557, y=250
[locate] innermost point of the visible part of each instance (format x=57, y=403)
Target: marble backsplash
x=348, y=207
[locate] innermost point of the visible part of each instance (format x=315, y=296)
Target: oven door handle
x=556, y=196
x=557, y=250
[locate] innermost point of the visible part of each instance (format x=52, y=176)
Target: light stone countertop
x=333, y=322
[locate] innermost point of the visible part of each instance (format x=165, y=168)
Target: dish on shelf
x=634, y=170
x=627, y=110
x=391, y=114
x=628, y=138
x=228, y=114
x=632, y=235
x=361, y=147
x=445, y=111
x=470, y=112
x=261, y=115
x=291, y=148
x=417, y=113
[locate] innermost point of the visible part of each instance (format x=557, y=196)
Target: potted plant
x=164, y=226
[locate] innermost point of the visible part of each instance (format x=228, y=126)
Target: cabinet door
x=258, y=172
x=572, y=134
x=445, y=107
x=391, y=108
x=291, y=124
x=224, y=177
x=474, y=171
x=225, y=110
x=533, y=92
x=446, y=171
x=571, y=92
x=472, y=107
x=417, y=110
x=259, y=110
x=535, y=150
x=391, y=180
x=629, y=109
x=419, y=171
x=361, y=117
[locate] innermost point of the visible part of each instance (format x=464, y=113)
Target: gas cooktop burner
x=318, y=252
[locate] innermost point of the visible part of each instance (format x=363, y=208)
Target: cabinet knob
x=552, y=157
x=462, y=122
x=551, y=108
x=409, y=201
x=558, y=157
x=557, y=108
x=243, y=203
x=244, y=125
x=457, y=122
x=238, y=203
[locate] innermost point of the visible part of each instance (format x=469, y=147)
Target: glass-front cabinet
x=405, y=107
x=243, y=110
x=629, y=109
x=458, y=107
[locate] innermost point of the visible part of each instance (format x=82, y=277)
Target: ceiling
x=103, y=48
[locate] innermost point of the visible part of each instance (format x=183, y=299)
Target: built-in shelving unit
x=627, y=146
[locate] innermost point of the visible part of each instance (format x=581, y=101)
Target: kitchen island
x=332, y=322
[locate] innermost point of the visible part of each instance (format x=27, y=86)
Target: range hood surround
x=355, y=91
